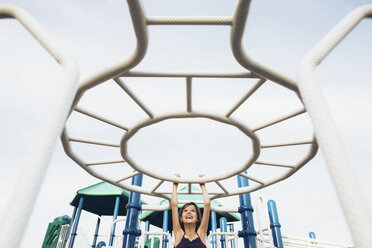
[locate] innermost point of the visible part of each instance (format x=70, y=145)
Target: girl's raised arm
x=178, y=232
x=202, y=231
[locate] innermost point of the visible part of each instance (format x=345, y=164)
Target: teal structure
x=54, y=230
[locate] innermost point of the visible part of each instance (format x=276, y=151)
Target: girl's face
x=189, y=215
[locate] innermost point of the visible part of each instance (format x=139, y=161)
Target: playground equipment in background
x=13, y=225
x=57, y=232
x=102, y=199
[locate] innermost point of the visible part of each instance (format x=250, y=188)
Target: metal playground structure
x=142, y=177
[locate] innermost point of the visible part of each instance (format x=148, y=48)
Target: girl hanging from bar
x=189, y=227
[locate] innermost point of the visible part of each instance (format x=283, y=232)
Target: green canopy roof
x=156, y=217
x=100, y=199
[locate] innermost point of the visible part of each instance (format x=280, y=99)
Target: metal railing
x=353, y=202
x=29, y=182
x=151, y=236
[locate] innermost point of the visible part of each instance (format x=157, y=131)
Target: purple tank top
x=186, y=243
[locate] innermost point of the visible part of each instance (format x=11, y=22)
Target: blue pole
x=312, y=236
x=69, y=228
x=131, y=230
x=73, y=234
x=274, y=224
x=147, y=228
x=115, y=216
x=231, y=229
x=96, y=232
x=165, y=229
x=223, y=228
x=246, y=212
x=214, y=228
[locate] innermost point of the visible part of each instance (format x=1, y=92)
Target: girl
x=190, y=229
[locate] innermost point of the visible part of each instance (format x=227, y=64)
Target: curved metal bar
x=190, y=74
x=77, y=160
x=15, y=221
x=352, y=199
x=312, y=152
x=275, y=164
x=246, y=96
x=219, y=184
x=289, y=116
x=140, y=29
x=262, y=184
x=186, y=20
x=94, y=116
x=105, y=162
x=251, y=178
x=237, y=31
x=157, y=186
x=134, y=98
x=93, y=142
x=154, y=174
x=133, y=174
x=189, y=94
x=287, y=144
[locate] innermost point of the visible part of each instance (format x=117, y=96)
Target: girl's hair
x=198, y=214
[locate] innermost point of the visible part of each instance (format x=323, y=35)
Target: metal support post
x=165, y=229
x=246, y=212
x=214, y=228
x=312, y=236
x=96, y=232
x=131, y=230
x=274, y=224
x=147, y=229
x=76, y=222
x=69, y=228
x=223, y=228
x=231, y=229
x=115, y=216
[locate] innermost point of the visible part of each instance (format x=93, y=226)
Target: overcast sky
x=99, y=34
